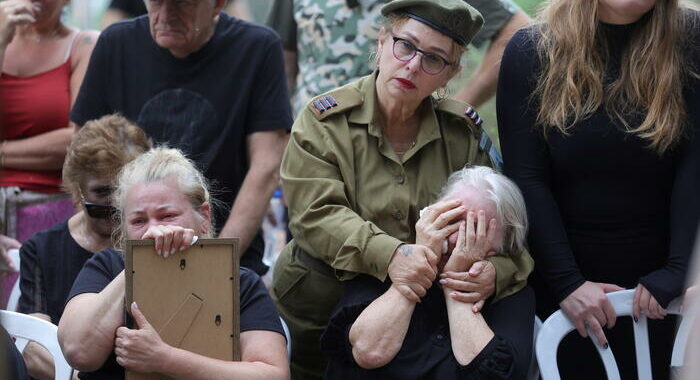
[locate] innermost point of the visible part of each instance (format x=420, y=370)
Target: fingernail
x=443, y=281
x=635, y=319
x=133, y=304
x=605, y=346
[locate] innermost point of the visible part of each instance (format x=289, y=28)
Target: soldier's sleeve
x=512, y=270
x=314, y=170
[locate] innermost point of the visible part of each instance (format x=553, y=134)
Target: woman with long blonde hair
x=598, y=111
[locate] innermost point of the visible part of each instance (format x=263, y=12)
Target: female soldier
x=364, y=159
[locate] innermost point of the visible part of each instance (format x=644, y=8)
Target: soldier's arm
x=322, y=221
x=481, y=86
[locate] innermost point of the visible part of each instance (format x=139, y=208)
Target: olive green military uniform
x=353, y=201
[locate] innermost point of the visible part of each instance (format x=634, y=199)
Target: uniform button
x=398, y=215
x=400, y=179
x=440, y=337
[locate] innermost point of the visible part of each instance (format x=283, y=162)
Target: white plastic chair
x=288, y=335
x=15, y=293
x=534, y=372
x=557, y=326
x=37, y=330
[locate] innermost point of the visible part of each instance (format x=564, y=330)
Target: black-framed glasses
x=98, y=211
x=430, y=63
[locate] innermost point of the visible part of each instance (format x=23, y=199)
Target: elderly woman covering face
x=378, y=333
x=161, y=196
x=364, y=159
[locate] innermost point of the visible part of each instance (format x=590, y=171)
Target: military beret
x=453, y=18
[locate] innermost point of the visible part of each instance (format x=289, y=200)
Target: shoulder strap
x=463, y=111
x=70, y=46
x=336, y=101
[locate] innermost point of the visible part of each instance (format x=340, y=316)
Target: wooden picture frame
x=191, y=298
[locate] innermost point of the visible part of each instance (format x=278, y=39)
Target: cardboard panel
x=191, y=298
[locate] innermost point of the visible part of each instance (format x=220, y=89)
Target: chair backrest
x=42, y=332
x=557, y=326
x=15, y=293
x=533, y=372
x=288, y=336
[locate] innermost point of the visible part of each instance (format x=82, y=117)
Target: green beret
x=453, y=18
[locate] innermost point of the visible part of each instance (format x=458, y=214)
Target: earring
x=441, y=93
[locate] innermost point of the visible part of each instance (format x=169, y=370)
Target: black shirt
x=206, y=104
x=133, y=8
x=426, y=352
x=11, y=362
x=50, y=260
x=602, y=205
x=257, y=310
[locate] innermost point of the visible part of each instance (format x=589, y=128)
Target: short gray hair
x=504, y=193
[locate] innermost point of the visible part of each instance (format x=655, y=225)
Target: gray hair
x=160, y=164
x=504, y=193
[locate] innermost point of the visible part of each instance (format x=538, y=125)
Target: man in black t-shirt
x=210, y=85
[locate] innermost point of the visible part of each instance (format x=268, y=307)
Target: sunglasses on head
x=99, y=211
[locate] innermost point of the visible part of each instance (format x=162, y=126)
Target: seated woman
x=51, y=259
x=161, y=196
x=376, y=332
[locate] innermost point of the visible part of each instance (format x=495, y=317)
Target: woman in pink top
x=42, y=63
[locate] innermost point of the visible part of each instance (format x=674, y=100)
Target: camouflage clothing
x=333, y=41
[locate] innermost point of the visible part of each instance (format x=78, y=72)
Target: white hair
x=504, y=193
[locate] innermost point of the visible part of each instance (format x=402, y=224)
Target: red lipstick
x=405, y=83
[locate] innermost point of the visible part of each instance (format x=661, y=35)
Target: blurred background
x=87, y=14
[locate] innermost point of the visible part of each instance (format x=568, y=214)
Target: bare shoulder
x=84, y=44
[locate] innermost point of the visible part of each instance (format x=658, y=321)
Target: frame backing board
x=191, y=298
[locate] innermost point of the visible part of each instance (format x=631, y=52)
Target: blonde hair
x=506, y=196
x=100, y=149
x=159, y=164
x=652, y=73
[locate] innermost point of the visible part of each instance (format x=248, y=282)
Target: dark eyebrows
x=411, y=37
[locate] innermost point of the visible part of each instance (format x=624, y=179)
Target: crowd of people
x=418, y=249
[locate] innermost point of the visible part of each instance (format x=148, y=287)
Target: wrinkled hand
x=140, y=350
x=12, y=14
x=588, y=306
x=6, y=244
x=412, y=270
x=645, y=303
x=475, y=286
x=170, y=239
x=474, y=241
x=433, y=227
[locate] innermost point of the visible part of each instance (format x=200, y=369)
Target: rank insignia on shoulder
x=471, y=113
x=324, y=103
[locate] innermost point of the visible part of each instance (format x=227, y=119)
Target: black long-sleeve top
x=602, y=205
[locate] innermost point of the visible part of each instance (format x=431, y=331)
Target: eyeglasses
x=430, y=63
x=99, y=211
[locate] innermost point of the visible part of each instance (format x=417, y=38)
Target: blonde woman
x=597, y=109
x=161, y=196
